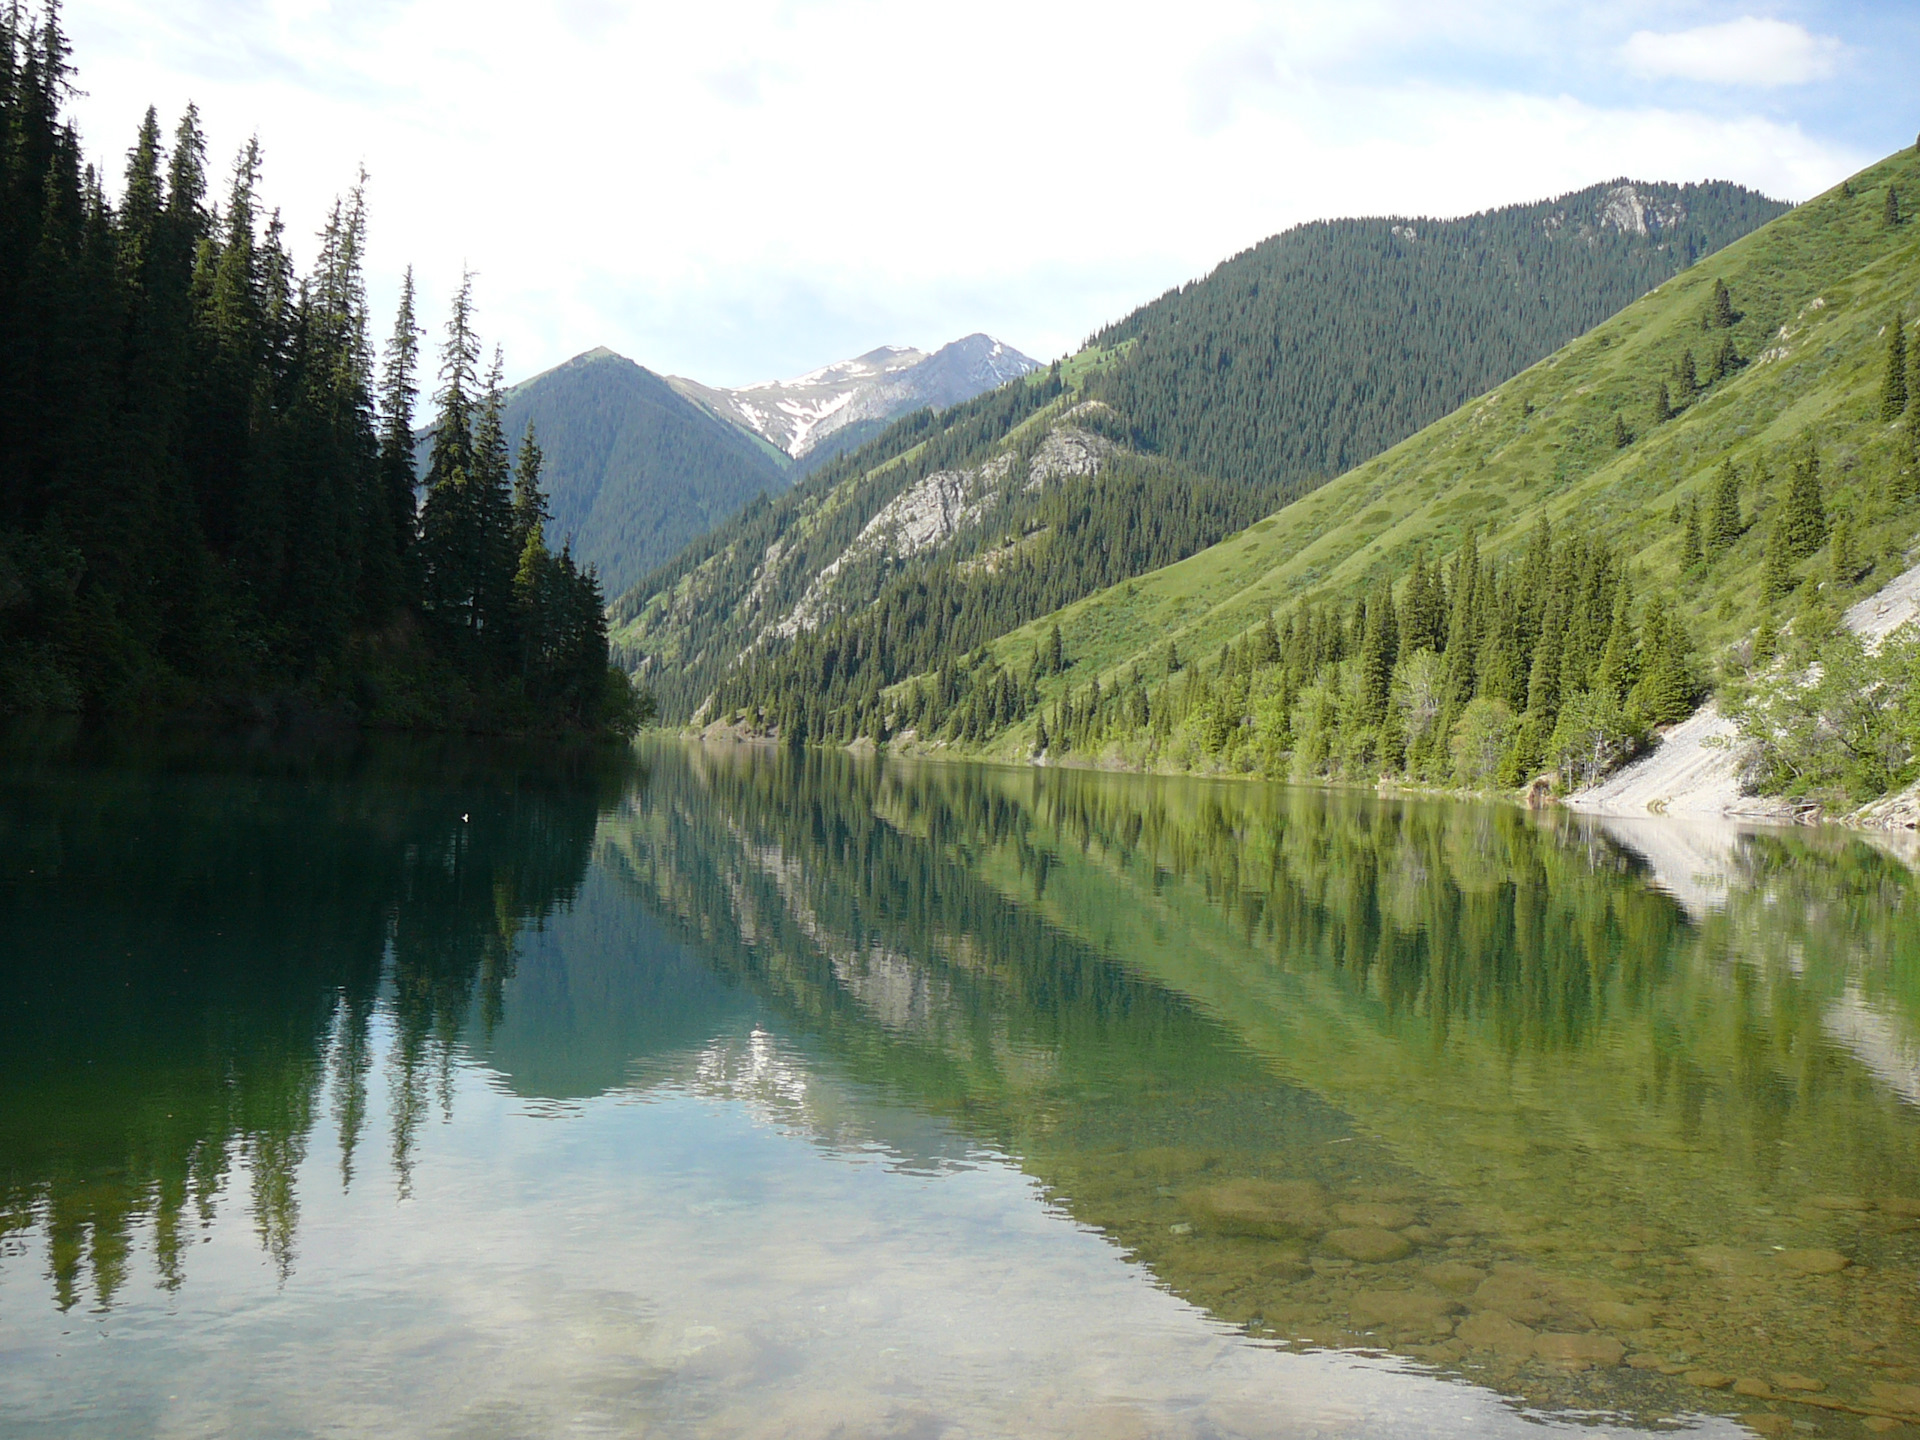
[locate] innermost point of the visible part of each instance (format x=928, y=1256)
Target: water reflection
x=1604, y=1122
x=1241, y=1028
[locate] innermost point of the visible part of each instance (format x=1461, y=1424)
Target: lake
x=413, y=1089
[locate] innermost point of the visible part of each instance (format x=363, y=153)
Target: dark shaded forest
x=206, y=492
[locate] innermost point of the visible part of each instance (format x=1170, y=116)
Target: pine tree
x=1724, y=526
x=1622, y=437
x=1893, y=384
x=1726, y=360
x=452, y=530
x=1803, y=518
x=1890, y=211
x=1378, y=651
x=529, y=500
x=396, y=520
x=1691, y=551
x=1843, y=561
x=1620, y=662
x=1668, y=687
x=1662, y=404
x=1056, y=653
x=1686, y=379
x=1777, y=578
x=1720, y=307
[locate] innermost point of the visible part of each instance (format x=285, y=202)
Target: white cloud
x=746, y=190
x=1746, y=51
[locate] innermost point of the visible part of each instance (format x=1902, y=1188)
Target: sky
x=739, y=190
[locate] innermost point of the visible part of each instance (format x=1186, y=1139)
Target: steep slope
x=810, y=564
x=828, y=411
x=1319, y=348
x=1578, y=442
x=633, y=470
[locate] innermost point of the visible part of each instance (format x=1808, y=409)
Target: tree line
x=207, y=495
x=1048, y=549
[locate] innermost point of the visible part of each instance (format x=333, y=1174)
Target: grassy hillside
x=633, y=470
x=1323, y=344
x=1574, y=441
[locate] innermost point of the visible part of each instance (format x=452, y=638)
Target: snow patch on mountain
x=797, y=415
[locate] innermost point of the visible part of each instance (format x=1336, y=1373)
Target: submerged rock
x=1278, y=1210
x=1456, y=1277
x=1384, y=1217
x=1495, y=1332
x=1814, y=1262
x=1402, y=1310
x=1369, y=1244
x=1579, y=1352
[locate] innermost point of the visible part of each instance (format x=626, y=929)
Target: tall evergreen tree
x=1803, y=516
x=1893, y=383
x=1720, y=307
x=390, y=568
x=1662, y=404
x=1777, y=577
x=1724, y=525
x=1692, y=551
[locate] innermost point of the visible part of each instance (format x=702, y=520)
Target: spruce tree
x=1890, y=211
x=529, y=500
x=1378, y=651
x=1893, y=383
x=1662, y=404
x=1691, y=550
x=1843, y=561
x=1803, y=516
x=1668, y=687
x=1777, y=577
x=1686, y=378
x=1720, y=307
x=452, y=532
x=1622, y=437
x=1619, y=667
x=396, y=521
x=1724, y=526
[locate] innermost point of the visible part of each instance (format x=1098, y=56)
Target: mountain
x=830, y=410
x=633, y=469
x=1179, y=425
x=1578, y=554
x=1298, y=359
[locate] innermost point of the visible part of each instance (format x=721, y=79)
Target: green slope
x=633, y=470
x=1320, y=346
x=1813, y=292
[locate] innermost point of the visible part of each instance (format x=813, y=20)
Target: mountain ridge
x=1732, y=458
x=1286, y=342
x=819, y=414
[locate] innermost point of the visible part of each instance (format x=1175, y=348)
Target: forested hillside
x=1317, y=349
x=1683, y=499
x=634, y=470
x=207, y=500
x=1210, y=407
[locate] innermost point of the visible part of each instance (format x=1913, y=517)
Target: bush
x=1594, y=736
x=1840, y=722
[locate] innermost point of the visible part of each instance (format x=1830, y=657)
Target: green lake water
x=403, y=1089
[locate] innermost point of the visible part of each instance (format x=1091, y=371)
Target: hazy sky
x=739, y=191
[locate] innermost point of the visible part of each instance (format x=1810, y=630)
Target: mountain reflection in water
x=1506, y=1099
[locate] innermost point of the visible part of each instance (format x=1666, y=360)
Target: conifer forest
x=207, y=494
